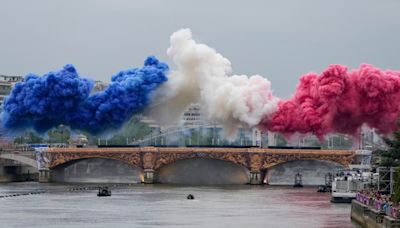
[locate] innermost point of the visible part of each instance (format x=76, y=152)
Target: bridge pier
x=256, y=178
x=148, y=176
x=44, y=175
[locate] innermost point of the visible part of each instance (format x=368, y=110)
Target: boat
x=347, y=182
x=322, y=188
x=190, y=197
x=104, y=192
x=298, y=183
x=327, y=187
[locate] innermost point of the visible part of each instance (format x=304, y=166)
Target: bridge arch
x=164, y=159
x=274, y=160
x=71, y=161
x=22, y=159
x=62, y=158
x=202, y=170
x=97, y=169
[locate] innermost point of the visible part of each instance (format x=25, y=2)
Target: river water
x=167, y=206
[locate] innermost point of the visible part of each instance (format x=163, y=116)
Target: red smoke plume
x=340, y=101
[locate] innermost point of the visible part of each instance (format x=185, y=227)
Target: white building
x=6, y=85
x=99, y=86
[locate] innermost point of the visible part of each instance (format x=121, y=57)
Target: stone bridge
x=25, y=159
x=151, y=159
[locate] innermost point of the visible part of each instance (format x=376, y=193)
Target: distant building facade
x=99, y=86
x=6, y=85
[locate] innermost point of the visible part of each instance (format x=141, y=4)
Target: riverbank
x=372, y=213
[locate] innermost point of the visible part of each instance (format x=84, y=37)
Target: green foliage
x=133, y=130
x=280, y=140
x=28, y=138
x=396, y=186
x=60, y=134
x=391, y=157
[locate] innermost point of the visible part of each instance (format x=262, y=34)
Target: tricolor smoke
x=62, y=97
x=335, y=101
x=202, y=76
x=340, y=101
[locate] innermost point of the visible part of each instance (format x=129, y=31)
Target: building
x=6, y=85
x=99, y=86
x=191, y=118
x=194, y=117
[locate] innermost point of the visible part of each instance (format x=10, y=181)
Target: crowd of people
x=379, y=202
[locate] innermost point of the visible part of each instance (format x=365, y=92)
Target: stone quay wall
x=368, y=217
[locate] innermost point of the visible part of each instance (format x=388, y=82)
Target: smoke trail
x=62, y=97
x=202, y=76
x=340, y=101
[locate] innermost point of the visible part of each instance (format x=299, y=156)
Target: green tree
x=134, y=129
x=396, y=186
x=28, y=138
x=280, y=140
x=391, y=157
x=60, y=134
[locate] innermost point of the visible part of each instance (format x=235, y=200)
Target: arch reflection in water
x=96, y=170
x=202, y=171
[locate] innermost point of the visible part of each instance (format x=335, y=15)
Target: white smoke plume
x=202, y=76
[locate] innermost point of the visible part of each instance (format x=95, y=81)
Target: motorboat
x=327, y=187
x=190, y=197
x=323, y=188
x=104, y=191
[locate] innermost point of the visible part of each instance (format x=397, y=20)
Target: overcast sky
x=280, y=40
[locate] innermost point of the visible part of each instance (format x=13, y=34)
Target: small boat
x=298, y=183
x=104, y=192
x=322, y=188
x=327, y=187
x=190, y=197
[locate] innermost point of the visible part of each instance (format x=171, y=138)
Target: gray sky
x=278, y=39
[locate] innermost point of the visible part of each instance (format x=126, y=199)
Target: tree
x=134, y=129
x=60, y=134
x=391, y=157
x=396, y=186
x=28, y=138
x=280, y=140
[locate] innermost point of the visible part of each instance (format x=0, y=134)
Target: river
x=167, y=206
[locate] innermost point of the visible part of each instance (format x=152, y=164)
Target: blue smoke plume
x=63, y=97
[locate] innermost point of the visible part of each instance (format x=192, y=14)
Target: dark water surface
x=167, y=206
